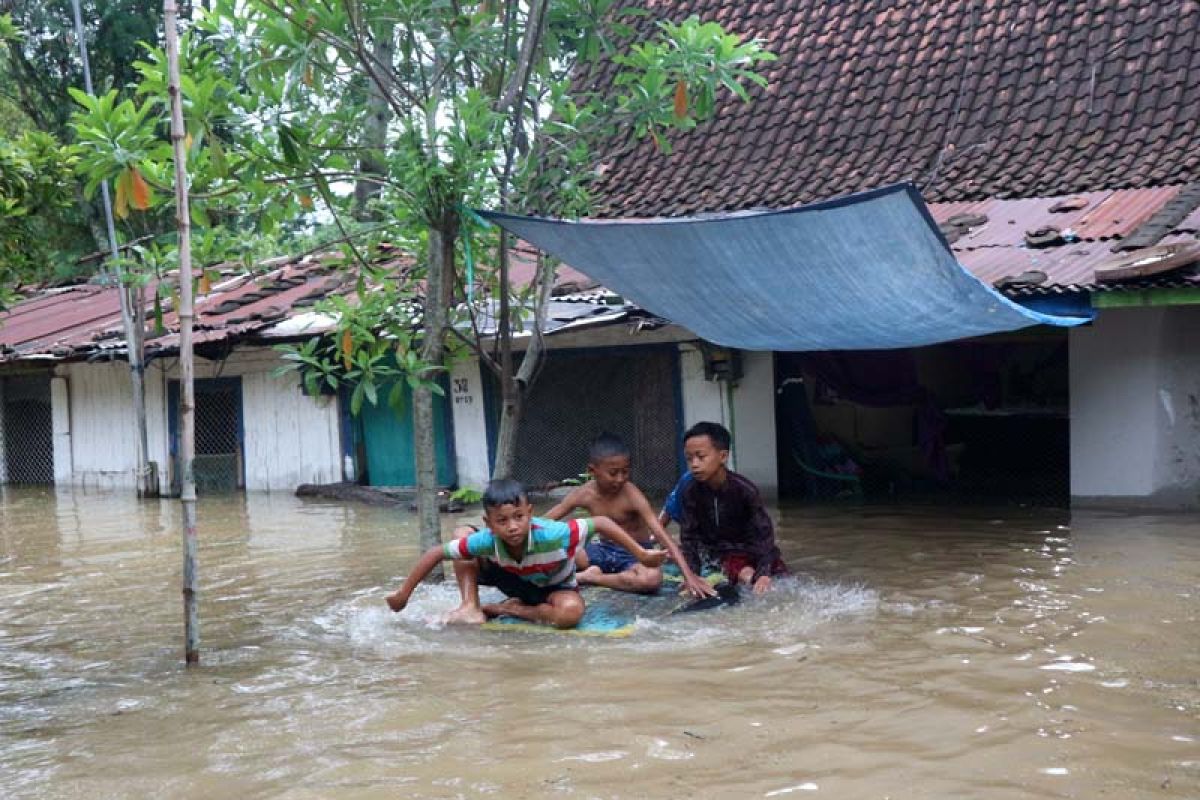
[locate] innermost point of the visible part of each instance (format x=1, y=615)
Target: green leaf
x=288, y=144
x=395, y=398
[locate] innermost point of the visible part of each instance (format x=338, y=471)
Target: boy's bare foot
x=500, y=609
x=587, y=577
x=466, y=615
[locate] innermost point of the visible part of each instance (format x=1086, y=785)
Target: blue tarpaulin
x=862, y=272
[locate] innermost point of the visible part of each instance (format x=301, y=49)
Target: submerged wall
x=748, y=409
x=101, y=439
x=287, y=437
x=1135, y=408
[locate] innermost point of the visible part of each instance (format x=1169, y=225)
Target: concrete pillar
x=470, y=424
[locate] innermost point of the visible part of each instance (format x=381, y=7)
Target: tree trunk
x=438, y=287
x=514, y=388
x=187, y=404
x=379, y=113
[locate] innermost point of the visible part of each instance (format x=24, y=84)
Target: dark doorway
x=28, y=430
x=219, y=464
x=981, y=420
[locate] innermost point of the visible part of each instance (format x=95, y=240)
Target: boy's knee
x=462, y=530
x=568, y=611
x=647, y=579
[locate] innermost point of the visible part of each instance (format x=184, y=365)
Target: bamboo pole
x=133, y=331
x=187, y=404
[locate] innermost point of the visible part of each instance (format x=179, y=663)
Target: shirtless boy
x=610, y=494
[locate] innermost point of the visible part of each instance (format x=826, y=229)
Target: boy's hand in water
x=762, y=584
x=698, y=587
x=396, y=601
x=651, y=558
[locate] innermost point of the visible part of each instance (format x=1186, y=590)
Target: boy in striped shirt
x=529, y=559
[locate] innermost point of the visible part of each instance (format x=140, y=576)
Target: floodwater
x=918, y=654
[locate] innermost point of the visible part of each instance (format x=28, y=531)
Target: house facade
x=67, y=403
x=1058, y=150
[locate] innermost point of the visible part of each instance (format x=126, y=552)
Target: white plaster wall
x=102, y=441
x=1177, y=465
x=754, y=420
x=751, y=419
x=60, y=424
x=1135, y=412
x=702, y=399
x=470, y=424
x=103, y=428
x=290, y=439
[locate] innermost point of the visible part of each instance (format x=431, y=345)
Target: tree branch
x=519, y=80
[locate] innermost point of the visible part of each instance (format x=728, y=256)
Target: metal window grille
x=577, y=397
x=218, y=464
x=28, y=430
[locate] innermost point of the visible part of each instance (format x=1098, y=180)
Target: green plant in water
x=577, y=480
x=467, y=495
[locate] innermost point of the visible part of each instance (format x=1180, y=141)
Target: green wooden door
x=388, y=440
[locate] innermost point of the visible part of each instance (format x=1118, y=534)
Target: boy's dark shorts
x=733, y=563
x=490, y=574
x=610, y=558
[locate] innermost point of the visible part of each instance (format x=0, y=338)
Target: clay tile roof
x=970, y=100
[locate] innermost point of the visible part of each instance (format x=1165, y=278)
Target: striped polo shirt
x=549, y=552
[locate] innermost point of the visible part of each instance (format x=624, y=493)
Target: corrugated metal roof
x=1122, y=212
x=1008, y=220
x=997, y=248
x=84, y=321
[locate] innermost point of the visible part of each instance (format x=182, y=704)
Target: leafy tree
x=44, y=65
x=39, y=66
x=36, y=180
x=382, y=121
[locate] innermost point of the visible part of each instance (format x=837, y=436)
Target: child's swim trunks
x=610, y=558
x=490, y=574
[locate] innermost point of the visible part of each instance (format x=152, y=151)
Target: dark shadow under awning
x=862, y=272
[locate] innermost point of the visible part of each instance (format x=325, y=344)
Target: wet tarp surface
x=866, y=271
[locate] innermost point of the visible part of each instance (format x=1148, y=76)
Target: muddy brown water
x=919, y=654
